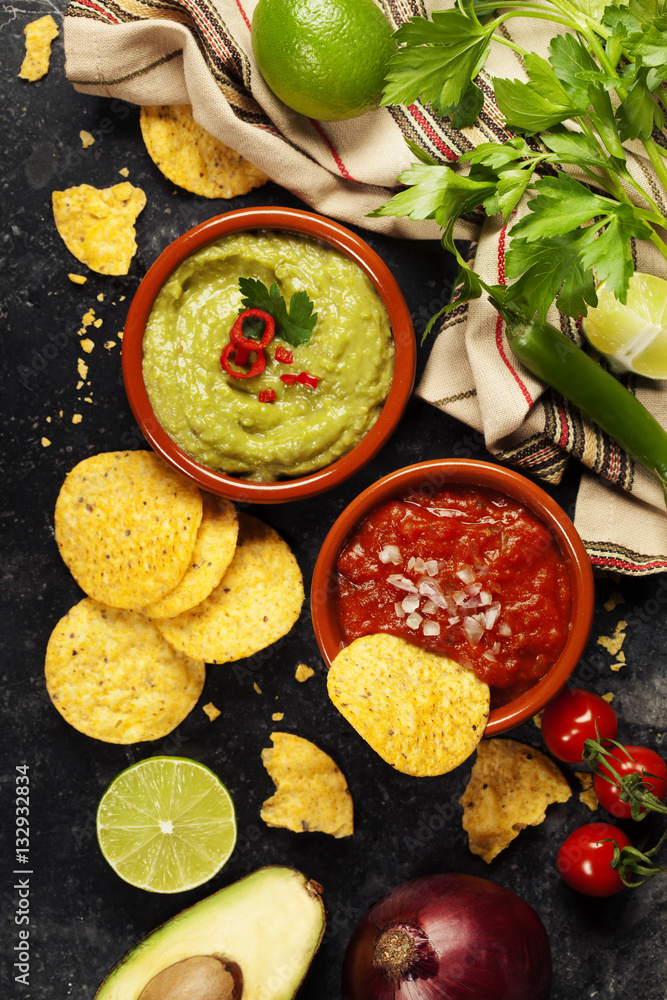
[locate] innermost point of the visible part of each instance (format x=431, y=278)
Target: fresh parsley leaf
x=437, y=60
x=611, y=252
x=534, y=107
x=561, y=205
x=550, y=269
x=638, y=114
x=294, y=325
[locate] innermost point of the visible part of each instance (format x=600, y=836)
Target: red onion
x=448, y=937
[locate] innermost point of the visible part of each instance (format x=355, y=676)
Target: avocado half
x=265, y=928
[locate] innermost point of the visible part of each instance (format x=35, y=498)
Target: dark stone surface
x=82, y=917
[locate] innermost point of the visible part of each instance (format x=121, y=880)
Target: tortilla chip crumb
x=613, y=643
x=257, y=687
x=537, y=719
x=609, y=696
x=100, y=297
x=311, y=790
x=211, y=711
x=510, y=788
x=45, y=442
x=88, y=317
x=78, y=279
x=613, y=601
x=109, y=344
x=587, y=796
x=97, y=225
x=87, y=345
x=86, y=138
x=303, y=672
x=278, y=716
x=38, y=37
x=98, y=323
x=124, y=172
x=76, y=418
x=82, y=369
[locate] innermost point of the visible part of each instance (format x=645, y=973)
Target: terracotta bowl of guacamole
x=469, y=560
x=268, y=410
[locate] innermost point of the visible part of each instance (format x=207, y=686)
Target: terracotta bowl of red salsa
x=309, y=226
x=470, y=560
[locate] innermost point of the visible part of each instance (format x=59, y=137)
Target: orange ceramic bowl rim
x=435, y=474
x=303, y=223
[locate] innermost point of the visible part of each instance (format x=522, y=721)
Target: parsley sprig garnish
x=294, y=324
x=574, y=234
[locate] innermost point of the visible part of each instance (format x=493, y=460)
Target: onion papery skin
x=490, y=944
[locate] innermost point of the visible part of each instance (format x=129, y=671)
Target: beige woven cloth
x=199, y=52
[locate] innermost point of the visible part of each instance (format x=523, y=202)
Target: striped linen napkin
x=198, y=52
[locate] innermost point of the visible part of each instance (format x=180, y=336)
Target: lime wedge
x=632, y=336
x=166, y=824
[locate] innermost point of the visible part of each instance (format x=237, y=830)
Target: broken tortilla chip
x=112, y=676
x=38, y=37
x=97, y=225
x=126, y=526
x=422, y=713
x=191, y=157
x=510, y=788
x=311, y=791
x=257, y=601
x=213, y=552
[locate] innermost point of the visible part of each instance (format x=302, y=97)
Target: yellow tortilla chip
x=191, y=157
x=97, y=225
x=126, y=526
x=214, y=548
x=311, y=791
x=422, y=713
x=303, y=672
x=510, y=788
x=257, y=601
x=38, y=37
x=112, y=676
x=211, y=711
x=587, y=795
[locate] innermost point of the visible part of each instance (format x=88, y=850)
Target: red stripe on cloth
x=330, y=146
x=243, y=14
x=431, y=133
x=100, y=10
x=564, y=430
x=499, y=319
x=610, y=562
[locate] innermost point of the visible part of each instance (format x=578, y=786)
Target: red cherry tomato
x=571, y=718
x=643, y=760
x=584, y=859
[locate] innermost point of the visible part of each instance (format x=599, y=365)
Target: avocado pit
x=200, y=977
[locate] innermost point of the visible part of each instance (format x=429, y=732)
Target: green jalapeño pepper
x=554, y=359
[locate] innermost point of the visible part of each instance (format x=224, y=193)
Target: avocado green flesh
x=270, y=923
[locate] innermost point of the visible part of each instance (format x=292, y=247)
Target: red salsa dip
x=463, y=571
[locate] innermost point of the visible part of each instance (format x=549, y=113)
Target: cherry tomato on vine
x=571, y=718
x=584, y=859
x=642, y=760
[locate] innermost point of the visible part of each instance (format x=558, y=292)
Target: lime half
x=633, y=337
x=166, y=824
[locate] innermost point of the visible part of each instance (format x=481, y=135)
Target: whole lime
x=326, y=59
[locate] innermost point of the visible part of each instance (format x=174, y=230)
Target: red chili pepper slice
x=237, y=336
x=304, y=378
x=282, y=354
x=256, y=368
x=267, y=396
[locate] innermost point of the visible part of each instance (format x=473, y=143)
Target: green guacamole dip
x=219, y=420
